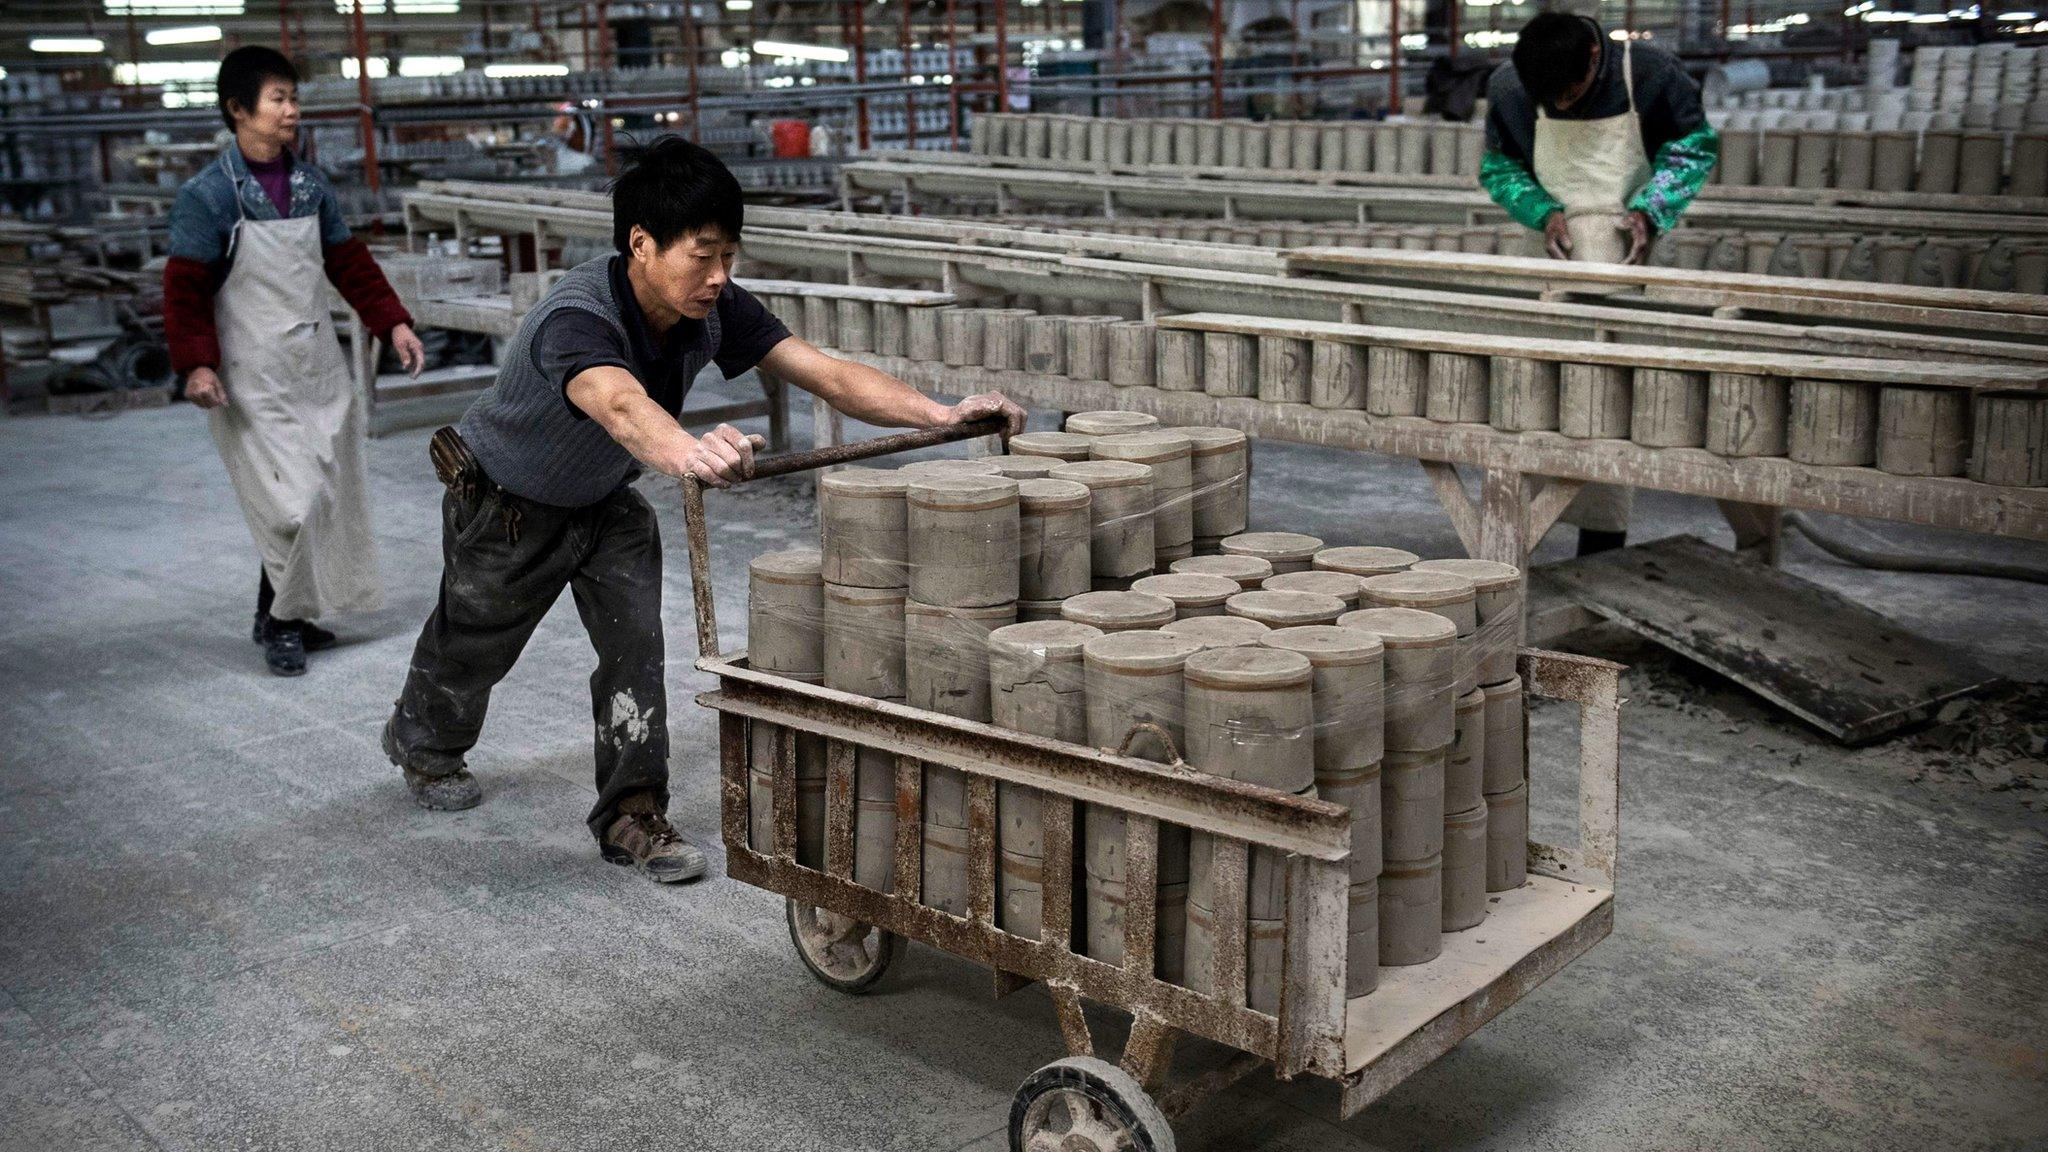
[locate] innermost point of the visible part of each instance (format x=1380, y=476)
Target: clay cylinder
x=1359, y=790
x=1457, y=388
x=821, y=321
x=1342, y=585
x=949, y=466
x=1669, y=409
x=1130, y=354
x=786, y=613
x=1121, y=538
x=1420, y=653
x=1192, y=595
x=1132, y=678
x=1594, y=401
x=1002, y=339
x=1054, y=527
x=1168, y=452
x=864, y=641
x=1776, y=156
x=1448, y=595
x=1248, y=571
x=1285, y=609
x=1062, y=446
x=1892, y=161
x=1348, y=682
x=1497, y=601
x=1855, y=152
x=1038, y=610
x=1250, y=717
x=1940, y=152
x=1507, y=840
x=1035, y=682
x=810, y=792
x=864, y=528
x=1229, y=364
x=1217, y=631
x=1020, y=892
x=1118, y=611
x=1979, y=163
x=1087, y=356
x=1219, y=462
x=1362, y=938
x=1465, y=763
x=1364, y=560
x=945, y=656
x=1412, y=804
x=1045, y=345
x=1110, y=423
x=1746, y=414
x=1178, y=353
x=1507, y=738
x=1285, y=551
x=856, y=326
x=892, y=326
x=1396, y=381
x=1021, y=467
x=921, y=334
x=1832, y=422
x=1411, y=912
x=874, y=819
x=1337, y=375
x=2029, y=165
x=1464, y=868
x=1284, y=363
x=2009, y=439
x=1599, y=236
x=960, y=332
x=945, y=869
x=1738, y=158
x=963, y=540
x=1813, y=159
x=1922, y=431
x=1523, y=394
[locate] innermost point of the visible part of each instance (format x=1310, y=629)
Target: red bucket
x=792, y=138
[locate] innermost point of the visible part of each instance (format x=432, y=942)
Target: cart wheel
x=1082, y=1104
x=842, y=953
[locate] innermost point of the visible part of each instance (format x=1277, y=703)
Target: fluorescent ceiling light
x=379, y=68
x=174, y=7
x=167, y=72
x=781, y=50
x=2016, y=16
x=401, y=7
x=739, y=5
x=68, y=45
x=510, y=71
x=202, y=34
x=430, y=65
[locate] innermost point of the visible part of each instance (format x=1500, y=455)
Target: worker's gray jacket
x=524, y=431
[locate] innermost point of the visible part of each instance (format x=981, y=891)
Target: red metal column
x=1394, y=57
x=1452, y=7
x=284, y=27
x=953, y=70
x=693, y=47
x=1216, y=59
x=860, y=69
x=486, y=42
x=1002, y=55
x=909, y=94
x=365, y=119
x=1116, y=58
x=583, y=12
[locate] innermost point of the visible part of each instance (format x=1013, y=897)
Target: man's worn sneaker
x=452, y=792
x=311, y=635
x=284, y=650
x=643, y=837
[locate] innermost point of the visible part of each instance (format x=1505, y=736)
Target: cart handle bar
x=698, y=535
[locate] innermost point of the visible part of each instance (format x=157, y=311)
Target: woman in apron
x=255, y=240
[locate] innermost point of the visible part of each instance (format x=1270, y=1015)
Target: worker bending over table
x=1600, y=146
x=540, y=493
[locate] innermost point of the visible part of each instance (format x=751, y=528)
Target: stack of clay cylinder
x=1933, y=158
x=1394, y=146
x=1907, y=430
x=785, y=636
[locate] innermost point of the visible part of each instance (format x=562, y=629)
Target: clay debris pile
x=1099, y=586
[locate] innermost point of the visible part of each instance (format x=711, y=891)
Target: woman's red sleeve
x=355, y=274
x=189, y=287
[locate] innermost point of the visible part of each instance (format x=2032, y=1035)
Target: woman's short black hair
x=672, y=188
x=242, y=75
x=1553, y=53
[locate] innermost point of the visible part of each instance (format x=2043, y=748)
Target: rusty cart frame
x=849, y=934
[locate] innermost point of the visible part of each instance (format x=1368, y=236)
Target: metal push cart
x=848, y=935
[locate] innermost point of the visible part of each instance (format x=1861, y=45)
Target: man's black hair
x=1553, y=53
x=673, y=188
x=242, y=74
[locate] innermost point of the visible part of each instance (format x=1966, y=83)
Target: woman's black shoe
x=315, y=638
x=284, y=649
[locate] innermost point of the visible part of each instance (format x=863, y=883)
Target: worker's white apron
x=1593, y=167
x=291, y=433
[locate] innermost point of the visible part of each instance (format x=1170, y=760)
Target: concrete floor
x=223, y=923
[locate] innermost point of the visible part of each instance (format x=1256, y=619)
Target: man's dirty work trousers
x=505, y=561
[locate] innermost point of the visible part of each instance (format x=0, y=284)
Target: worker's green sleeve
x=1680, y=171
x=1514, y=188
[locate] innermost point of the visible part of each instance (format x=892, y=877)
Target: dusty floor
x=222, y=922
